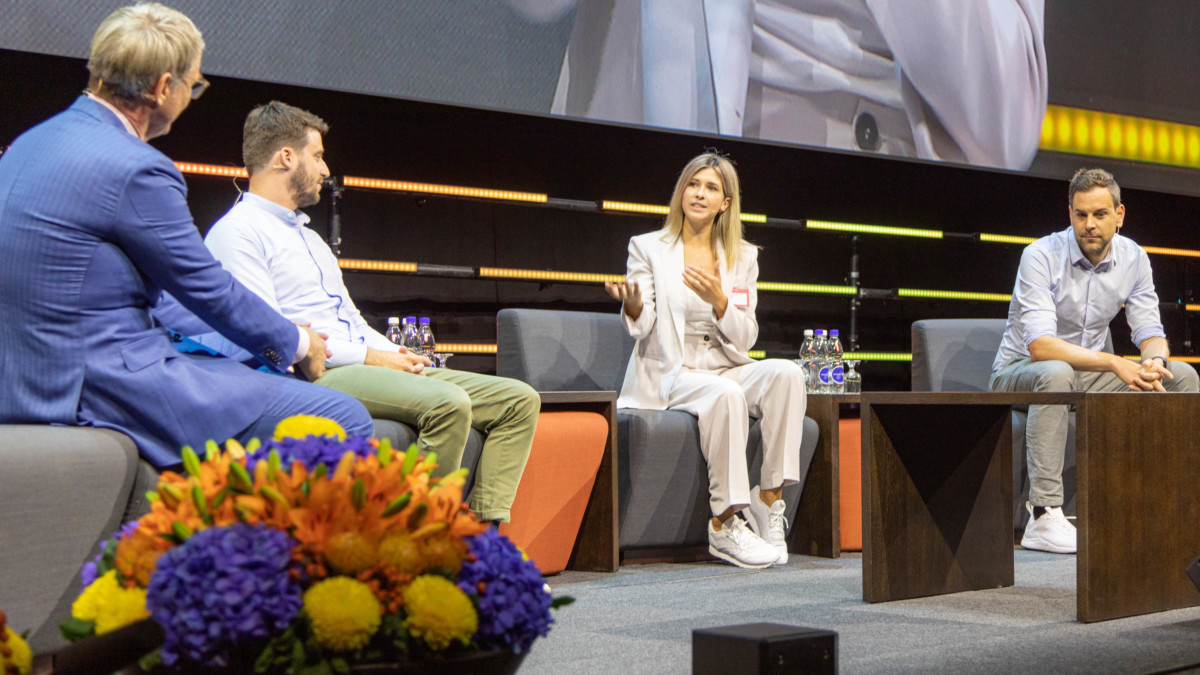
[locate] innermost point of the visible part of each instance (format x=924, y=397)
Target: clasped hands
x=1145, y=376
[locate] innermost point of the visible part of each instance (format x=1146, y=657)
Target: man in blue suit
x=94, y=225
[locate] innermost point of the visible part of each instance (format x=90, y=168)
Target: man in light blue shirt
x=1070, y=285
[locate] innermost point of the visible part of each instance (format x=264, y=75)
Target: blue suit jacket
x=94, y=224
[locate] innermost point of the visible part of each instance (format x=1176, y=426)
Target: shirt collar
x=289, y=217
x=1077, y=257
x=116, y=111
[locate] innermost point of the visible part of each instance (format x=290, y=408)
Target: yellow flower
x=19, y=654
x=402, y=553
x=349, y=553
x=438, y=612
x=109, y=605
x=303, y=426
x=344, y=613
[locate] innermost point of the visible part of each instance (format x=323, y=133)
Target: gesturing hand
x=707, y=286
x=629, y=294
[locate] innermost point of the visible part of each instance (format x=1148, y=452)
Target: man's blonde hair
x=135, y=45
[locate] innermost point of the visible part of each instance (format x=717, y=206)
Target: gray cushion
x=562, y=351
x=62, y=491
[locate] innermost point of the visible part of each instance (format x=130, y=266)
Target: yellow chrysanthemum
x=402, y=553
x=350, y=553
x=109, y=605
x=444, y=552
x=19, y=654
x=303, y=426
x=344, y=613
x=438, y=612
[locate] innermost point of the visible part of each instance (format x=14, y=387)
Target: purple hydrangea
x=92, y=569
x=222, y=589
x=514, y=608
x=311, y=451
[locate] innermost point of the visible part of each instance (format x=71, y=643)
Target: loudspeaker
x=763, y=649
x=1193, y=572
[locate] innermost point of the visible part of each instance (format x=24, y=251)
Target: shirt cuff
x=302, y=348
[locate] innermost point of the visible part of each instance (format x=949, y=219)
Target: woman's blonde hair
x=727, y=226
x=135, y=45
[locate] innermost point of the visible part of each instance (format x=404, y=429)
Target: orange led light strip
x=448, y=190
x=212, y=170
x=456, y=348
x=376, y=265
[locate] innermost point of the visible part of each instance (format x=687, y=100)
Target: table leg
x=817, y=527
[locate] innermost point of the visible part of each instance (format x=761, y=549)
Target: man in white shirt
x=264, y=243
x=1070, y=286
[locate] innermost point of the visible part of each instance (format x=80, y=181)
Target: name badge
x=741, y=297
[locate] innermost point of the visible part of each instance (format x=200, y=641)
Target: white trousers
x=723, y=401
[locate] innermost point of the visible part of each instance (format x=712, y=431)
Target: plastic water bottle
x=821, y=378
x=428, y=345
x=837, y=372
x=393, y=330
x=808, y=361
x=411, y=335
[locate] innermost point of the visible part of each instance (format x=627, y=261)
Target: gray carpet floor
x=640, y=620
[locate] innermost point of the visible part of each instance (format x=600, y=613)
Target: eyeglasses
x=198, y=87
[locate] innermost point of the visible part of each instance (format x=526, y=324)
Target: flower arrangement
x=312, y=552
x=15, y=655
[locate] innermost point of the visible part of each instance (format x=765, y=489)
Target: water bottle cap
x=833, y=332
x=808, y=333
x=820, y=331
x=424, y=321
x=393, y=320
x=410, y=319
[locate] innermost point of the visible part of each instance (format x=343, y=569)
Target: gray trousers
x=1046, y=428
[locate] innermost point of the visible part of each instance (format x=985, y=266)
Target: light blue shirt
x=1060, y=293
x=270, y=250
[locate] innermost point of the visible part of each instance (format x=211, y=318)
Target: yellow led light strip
x=457, y=348
x=547, y=275
x=952, y=295
x=211, y=170
x=781, y=287
x=448, y=190
x=376, y=265
x=872, y=229
x=1100, y=134
x=855, y=356
x=659, y=210
x=1005, y=239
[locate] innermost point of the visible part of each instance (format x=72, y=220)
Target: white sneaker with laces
x=736, y=544
x=769, y=524
x=1052, y=532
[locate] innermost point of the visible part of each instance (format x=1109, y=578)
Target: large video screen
x=1009, y=84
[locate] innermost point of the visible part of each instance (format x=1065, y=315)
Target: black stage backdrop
x=405, y=140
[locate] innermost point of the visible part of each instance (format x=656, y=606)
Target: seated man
x=1069, y=287
x=264, y=242
x=93, y=223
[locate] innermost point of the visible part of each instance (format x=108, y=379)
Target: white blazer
x=656, y=265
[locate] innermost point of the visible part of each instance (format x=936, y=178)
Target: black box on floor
x=763, y=649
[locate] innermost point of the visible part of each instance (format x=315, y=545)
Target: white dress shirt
x=267, y=247
x=1060, y=293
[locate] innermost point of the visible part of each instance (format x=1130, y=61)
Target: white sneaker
x=769, y=524
x=1052, y=532
x=736, y=544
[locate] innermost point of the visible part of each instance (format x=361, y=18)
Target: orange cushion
x=554, y=490
x=850, y=483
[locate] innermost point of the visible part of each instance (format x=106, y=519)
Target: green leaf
x=358, y=495
x=181, y=531
x=201, y=504
x=274, y=465
x=239, y=479
x=320, y=472
x=151, y=496
x=397, y=505
x=253, y=445
x=410, y=460
x=150, y=661
x=211, y=450
x=190, y=461
x=561, y=601
x=76, y=629
x=340, y=666
x=385, y=451
x=220, y=498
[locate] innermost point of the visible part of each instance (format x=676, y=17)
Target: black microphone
x=335, y=214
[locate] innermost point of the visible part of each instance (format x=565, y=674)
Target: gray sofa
x=63, y=490
x=957, y=355
x=662, y=477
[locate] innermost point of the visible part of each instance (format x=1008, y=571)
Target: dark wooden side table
x=937, y=496
x=817, y=527
x=596, y=546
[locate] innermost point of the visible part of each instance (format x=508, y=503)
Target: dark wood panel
x=817, y=526
x=1138, y=503
x=937, y=499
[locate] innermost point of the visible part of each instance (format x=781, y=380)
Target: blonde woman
x=689, y=299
